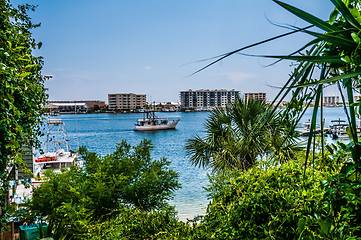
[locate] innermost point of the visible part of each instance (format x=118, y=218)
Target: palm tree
x=234, y=140
x=332, y=57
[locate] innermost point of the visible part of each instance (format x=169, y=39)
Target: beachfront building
x=164, y=106
x=67, y=107
x=330, y=101
x=95, y=104
x=280, y=104
x=126, y=101
x=204, y=100
x=79, y=106
x=255, y=96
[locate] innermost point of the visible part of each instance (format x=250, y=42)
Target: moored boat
x=150, y=122
x=57, y=154
x=307, y=129
x=338, y=129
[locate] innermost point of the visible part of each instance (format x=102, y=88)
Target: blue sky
x=93, y=48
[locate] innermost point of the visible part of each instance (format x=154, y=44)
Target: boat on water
x=150, y=122
x=307, y=128
x=57, y=154
x=338, y=129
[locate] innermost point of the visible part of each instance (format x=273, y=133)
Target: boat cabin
x=152, y=122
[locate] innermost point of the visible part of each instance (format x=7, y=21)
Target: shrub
x=137, y=224
x=120, y=184
x=278, y=203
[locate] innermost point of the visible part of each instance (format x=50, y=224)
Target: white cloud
x=238, y=77
x=147, y=67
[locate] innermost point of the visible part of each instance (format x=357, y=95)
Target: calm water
x=101, y=132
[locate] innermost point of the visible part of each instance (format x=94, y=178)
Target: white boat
x=307, y=129
x=338, y=129
x=150, y=122
x=58, y=154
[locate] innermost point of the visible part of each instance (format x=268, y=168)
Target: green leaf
x=348, y=131
x=356, y=14
x=24, y=74
x=346, y=13
x=307, y=17
x=346, y=59
x=301, y=225
x=223, y=56
x=319, y=59
x=347, y=168
x=338, y=39
x=313, y=124
x=325, y=226
x=355, y=38
x=333, y=16
x=332, y=79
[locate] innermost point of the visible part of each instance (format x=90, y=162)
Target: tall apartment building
x=207, y=99
x=256, y=96
x=126, y=101
x=331, y=100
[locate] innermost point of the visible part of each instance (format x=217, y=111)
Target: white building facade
x=255, y=96
x=331, y=100
x=126, y=101
x=207, y=99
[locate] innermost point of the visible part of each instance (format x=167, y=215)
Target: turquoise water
x=330, y=113
x=100, y=133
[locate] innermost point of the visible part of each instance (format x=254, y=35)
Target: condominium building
x=255, y=96
x=126, y=101
x=331, y=100
x=79, y=106
x=207, y=99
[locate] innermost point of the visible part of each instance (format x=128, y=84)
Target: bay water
x=101, y=132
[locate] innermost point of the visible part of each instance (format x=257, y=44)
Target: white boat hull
x=62, y=160
x=169, y=125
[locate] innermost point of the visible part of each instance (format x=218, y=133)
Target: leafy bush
x=343, y=193
x=22, y=92
x=137, y=224
x=278, y=203
x=125, y=182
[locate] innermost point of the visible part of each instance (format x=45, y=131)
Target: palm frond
x=316, y=59
x=223, y=56
x=346, y=13
x=307, y=17
x=333, y=79
x=337, y=40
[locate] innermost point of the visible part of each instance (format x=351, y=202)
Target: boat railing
x=55, y=121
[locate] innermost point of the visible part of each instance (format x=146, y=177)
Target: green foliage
x=241, y=133
x=123, y=182
x=343, y=192
x=136, y=224
x=145, y=184
x=22, y=91
x=278, y=203
x=332, y=57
